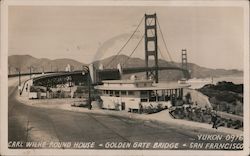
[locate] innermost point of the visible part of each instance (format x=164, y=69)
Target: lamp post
x=69, y=79
x=19, y=79
x=89, y=86
x=89, y=91
x=34, y=70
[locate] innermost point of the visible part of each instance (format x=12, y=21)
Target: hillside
x=225, y=96
x=25, y=61
x=196, y=71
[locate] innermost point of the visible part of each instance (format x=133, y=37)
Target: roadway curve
x=27, y=123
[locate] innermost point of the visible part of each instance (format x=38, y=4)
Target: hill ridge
x=38, y=64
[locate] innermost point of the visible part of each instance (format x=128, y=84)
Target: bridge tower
x=184, y=63
x=151, y=47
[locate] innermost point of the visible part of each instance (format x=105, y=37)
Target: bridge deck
x=109, y=74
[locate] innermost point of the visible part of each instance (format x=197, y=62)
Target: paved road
x=27, y=123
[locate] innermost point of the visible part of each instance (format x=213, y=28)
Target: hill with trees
x=225, y=96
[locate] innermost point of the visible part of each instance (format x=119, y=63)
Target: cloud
x=110, y=46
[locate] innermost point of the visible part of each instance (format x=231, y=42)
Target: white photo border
x=4, y=78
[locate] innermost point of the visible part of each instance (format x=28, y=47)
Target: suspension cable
x=164, y=41
x=135, y=47
x=162, y=55
x=125, y=43
x=133, y=50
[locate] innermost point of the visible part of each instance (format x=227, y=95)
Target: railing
x=25, y=74
x=24, y=85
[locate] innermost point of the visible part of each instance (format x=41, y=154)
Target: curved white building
x=136, y=94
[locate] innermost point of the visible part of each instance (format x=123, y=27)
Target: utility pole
x=89, y=85
x=19, y=76
x=89, y=90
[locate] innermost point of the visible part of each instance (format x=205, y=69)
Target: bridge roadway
x=27, y=123
x=110, y=73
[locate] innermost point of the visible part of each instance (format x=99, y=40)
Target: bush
x=37, y=89
x=225, y=94
x=151, y=109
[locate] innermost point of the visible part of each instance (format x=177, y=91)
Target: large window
x=111, y=93
x=144, y=93
x=117, y=94
x=131, y=93
x=106, y=92
x=123, y=92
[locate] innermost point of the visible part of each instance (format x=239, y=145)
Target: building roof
x=126, y=81
x=160, y=86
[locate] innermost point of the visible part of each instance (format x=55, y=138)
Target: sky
x=213, y=36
